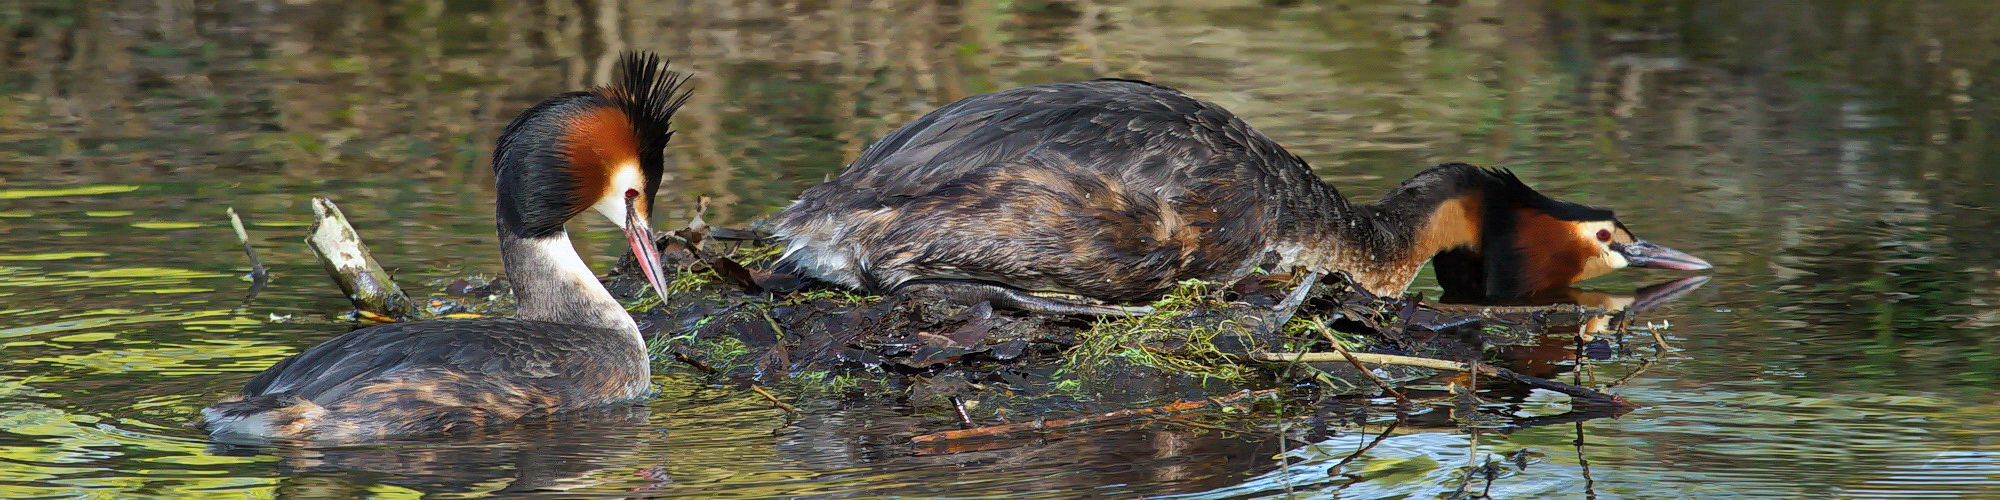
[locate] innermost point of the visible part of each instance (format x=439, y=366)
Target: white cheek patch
x=611, y=203
x=1588, y=231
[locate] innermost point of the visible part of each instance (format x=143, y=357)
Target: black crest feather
x=650, y=95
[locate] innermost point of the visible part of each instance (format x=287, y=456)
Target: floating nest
x=729, y=317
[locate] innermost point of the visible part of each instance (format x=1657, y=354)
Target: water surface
x=1834, y=159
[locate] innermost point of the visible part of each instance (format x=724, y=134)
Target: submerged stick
x=687, y=355
x=1173, y=420
x=1371, y=445
x=1573, y=391
x=1660, y=340
x=259, y=276
x=774, y=400
x=347, y=260
x=1045, y=425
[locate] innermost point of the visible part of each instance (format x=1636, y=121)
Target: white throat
x=552, y=283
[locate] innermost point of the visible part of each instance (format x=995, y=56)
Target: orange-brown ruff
x=1114, y=190
x=570, y=345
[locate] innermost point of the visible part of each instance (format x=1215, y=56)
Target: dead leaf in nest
x=1010, y=349
x=930, y=355
x=978, y=323
x=697, y=229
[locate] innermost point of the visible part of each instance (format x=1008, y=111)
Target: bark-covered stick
x=347, y=260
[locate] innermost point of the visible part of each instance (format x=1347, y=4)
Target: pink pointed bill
x=639, y=234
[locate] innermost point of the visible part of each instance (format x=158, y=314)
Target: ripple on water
x=1733, y=443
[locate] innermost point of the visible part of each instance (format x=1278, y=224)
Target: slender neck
x=551, y=283
x=1384, y=244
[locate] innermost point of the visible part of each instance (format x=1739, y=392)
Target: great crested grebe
x=1114, y=190
x=569, y=346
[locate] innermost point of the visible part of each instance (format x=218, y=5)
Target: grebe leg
x=973, y=292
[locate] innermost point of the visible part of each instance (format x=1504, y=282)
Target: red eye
x=634, y=193
x=1604, y=235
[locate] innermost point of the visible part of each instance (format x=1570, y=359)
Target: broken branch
x=347, y=260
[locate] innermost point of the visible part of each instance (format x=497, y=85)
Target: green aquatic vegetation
x=752, y=253
x=825, y=382
x=1309, y=331
x=689, y=281
x=1167, y=339
x=841, y=295
x=1068, y=385
x=642, y=303
x=723, y=352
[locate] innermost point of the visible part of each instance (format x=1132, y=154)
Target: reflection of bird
x=1114, y=190
x=569, y=346
x=1557, y=352
x=545, y=455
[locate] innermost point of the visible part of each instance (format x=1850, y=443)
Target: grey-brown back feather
x=545, y=354
x=1184, y=189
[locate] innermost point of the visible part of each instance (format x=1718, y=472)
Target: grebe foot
x=973, y=292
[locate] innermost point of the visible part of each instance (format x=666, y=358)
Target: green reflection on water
x=167, y=225
x=16, y=194
x=52, y=256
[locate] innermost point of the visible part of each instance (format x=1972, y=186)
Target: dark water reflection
x=1835, y=159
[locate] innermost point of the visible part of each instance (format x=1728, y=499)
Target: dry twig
x=774, y=400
